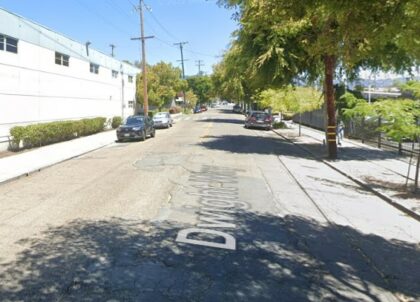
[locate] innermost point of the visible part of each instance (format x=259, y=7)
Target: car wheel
x=167, y=126
x=153, y=134
x=143, y=135
x=170, y=124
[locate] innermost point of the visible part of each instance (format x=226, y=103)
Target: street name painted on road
x=217, y=194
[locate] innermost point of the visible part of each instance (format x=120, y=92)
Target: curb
x=361, y=183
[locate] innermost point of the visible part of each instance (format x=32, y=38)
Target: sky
x=205, y=26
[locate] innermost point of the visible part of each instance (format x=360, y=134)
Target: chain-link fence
x=363, y=129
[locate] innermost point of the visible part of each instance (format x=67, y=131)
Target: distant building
x=45, y=76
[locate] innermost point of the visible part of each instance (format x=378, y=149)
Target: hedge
x=279, y=125
x=116, y=122
x=175, y=109
x=48, y=133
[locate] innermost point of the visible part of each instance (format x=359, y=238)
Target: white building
x=45, y=77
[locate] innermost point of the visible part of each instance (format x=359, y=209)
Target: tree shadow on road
x=223, y=121
x=249, y=144
x=277, y=259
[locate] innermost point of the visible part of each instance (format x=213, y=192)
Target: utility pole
x=143, y=54
x=181, y=46
x=199, y=64
x=112, y=49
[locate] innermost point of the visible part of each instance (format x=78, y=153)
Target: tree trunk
x=329, y=62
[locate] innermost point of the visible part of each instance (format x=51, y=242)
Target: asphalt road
x=206, y=211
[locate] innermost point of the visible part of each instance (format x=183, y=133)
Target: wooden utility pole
x=112, y=49
x=199, y=64
x=181, y=46
x=143, y=56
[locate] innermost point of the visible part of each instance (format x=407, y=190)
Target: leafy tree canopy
x=202, y=86
x=291, y=99
x=163, y=82
x=282, y=39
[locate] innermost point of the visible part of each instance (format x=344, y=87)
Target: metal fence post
x=363, y=130
x=379, y=133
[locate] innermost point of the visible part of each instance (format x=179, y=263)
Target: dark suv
x=259, y=119
x=136, y=127
x=237, y=109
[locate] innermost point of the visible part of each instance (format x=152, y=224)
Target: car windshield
x=260, y=115
x=133, y=120
x=161, y=114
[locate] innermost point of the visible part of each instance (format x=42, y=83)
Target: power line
x=105, y=20
x=161, y=25
x=119, y=9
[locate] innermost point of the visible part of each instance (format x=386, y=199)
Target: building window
x=115, y=74
x=94, y=68
x=8, y=44
x=130, y=104
x=130, y=79
x=61, y=59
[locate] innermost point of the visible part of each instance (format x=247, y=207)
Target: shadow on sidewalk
x=277, y=259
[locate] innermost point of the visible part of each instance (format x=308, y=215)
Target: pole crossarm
x=143, y=38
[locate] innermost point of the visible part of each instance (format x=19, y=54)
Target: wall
x=34, y=89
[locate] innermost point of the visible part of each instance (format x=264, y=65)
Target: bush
x=48, y=133
x=175, y=109
x=279, y=125
x=116, y=122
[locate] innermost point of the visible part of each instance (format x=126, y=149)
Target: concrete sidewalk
x=14, y=166
x=382, y=172
x=21, y=164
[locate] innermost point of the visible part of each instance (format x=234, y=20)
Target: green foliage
x=163, y=82
x=347, y=101
x=411, y=88
x=279, y=125
x=202, y=87
x=398, y=117
x=48, y=133
x=280, y=41
x=116, y=122
x=191, y=99
x=290, y=99
x=228, y=79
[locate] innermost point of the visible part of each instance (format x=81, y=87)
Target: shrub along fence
x=37, y=135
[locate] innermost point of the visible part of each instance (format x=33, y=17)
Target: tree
x=191, y=99
x=282, y=40
x=291, y=99
x=202, y=86
x=164, y=81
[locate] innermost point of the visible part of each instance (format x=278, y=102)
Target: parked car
x=162, y=120
x=203, y=108
x=197, y=109
x=136, y=127
x=259, y=119
x=237, y=109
